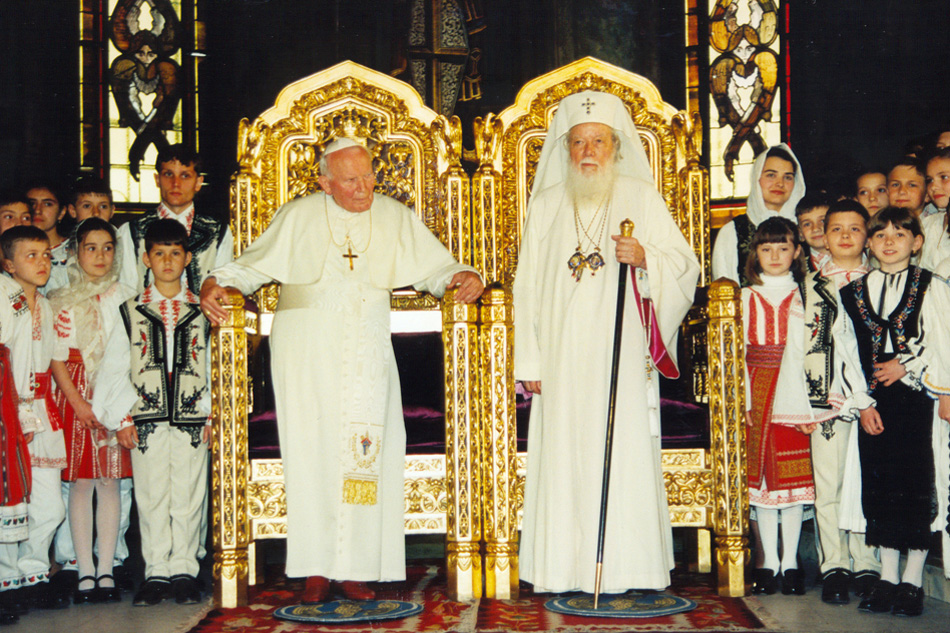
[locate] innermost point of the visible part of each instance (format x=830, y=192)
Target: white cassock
x=563, y=337
x=339, y=412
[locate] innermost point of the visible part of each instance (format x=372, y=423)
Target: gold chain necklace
x=594, y=261
x=347, y=241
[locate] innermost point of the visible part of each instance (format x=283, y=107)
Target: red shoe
x=316, y=590
x=355, y=590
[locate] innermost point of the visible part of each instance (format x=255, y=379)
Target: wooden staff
x=626, y=229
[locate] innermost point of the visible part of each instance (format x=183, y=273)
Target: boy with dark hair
x=169, y=428
x=25, y=567
x=92, y=197
x=906, y=185
x=49, y=207
x=810, y=214
x=14, y=210
x=210, y=243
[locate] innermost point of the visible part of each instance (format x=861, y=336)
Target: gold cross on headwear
x=588, y=104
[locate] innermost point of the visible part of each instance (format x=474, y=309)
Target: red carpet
x=425, y=583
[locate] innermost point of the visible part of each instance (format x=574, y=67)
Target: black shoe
x=908, y=600
x=880, y=599
x=764, y=582
x=13, y=601
x=793, y=582
x=151, y=592
x=835, y=586
x=106, y=594
x=84, y=596
x=7, y=617
x=46, y=596
x=185, y=589
x=862, y=582
x=124, y=578
x=65, y=580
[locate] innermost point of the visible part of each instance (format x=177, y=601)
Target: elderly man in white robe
x=593, y=173
x=338, y=255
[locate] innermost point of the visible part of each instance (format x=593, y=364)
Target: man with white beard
x=593, y=174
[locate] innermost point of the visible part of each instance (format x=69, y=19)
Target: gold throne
x=473, y=492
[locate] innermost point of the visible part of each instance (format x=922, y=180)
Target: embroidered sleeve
x=65, y=335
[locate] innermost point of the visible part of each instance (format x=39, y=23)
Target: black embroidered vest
x=870, y=328
x=744, y=232
x=203, y=243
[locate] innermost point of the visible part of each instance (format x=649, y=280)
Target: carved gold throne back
x=416, y=159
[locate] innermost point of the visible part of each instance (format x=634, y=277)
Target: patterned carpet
x=425, y=583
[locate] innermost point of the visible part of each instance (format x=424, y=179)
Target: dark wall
x=866, y=78
x=256, y=47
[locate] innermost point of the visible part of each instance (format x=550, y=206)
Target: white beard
x=591, y=187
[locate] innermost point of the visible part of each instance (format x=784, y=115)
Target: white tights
x=791, y=532
x=107, y=526
x=913, y=572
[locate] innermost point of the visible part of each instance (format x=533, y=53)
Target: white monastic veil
x=589, y=107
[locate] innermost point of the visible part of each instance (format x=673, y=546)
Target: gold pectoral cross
x=350, y=255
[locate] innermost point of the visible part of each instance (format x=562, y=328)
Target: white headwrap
x=590, y=107
x=755, y=205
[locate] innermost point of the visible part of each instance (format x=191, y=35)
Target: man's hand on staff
x=534, y=386
x=212, y=296
x=469, y=287
x=629, y=251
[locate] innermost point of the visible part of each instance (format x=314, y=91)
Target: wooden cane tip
x=626, y=227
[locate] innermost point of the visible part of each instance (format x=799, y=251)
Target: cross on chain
x=588, y=104
x=350, y=255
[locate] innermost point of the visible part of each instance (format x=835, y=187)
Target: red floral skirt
x=90, y=454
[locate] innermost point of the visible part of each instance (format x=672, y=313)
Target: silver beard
x=586, y=188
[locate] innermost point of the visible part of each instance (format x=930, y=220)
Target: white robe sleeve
x=934, y=341
x=128, y=268
x=848, y=372
x=525, y=300
x=236, y=275
x=725, y=254
x=114, y=394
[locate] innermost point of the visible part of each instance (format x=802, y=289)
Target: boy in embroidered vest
x=169, y=427
x=845, y=234
x=210, y=243
x=26, y=257
x=810, y=215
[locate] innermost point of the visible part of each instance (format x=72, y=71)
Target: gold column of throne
x=416, y=158
x=705, y=487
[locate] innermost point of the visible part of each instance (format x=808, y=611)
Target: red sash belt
x=43, y=389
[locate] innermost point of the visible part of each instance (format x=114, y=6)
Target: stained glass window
x=137, y=76
x=746, y=80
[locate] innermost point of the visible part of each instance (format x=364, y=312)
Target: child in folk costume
x=898, y=313
x=784, y=312
x=25, y=567
x=86, y=312
x=846, y=562
x=14, y=454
